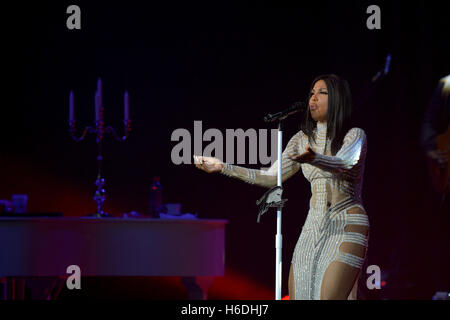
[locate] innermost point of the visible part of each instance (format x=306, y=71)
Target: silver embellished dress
x=336, y=183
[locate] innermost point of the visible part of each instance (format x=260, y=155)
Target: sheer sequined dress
x=336, y=183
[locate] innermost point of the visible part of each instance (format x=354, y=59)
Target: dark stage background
x=226, y=65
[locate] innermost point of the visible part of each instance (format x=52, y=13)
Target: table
x=193, y=249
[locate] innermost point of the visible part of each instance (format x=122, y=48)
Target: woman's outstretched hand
x=208, y=164
x=306, y=157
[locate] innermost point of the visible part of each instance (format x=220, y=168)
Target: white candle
x=100, y=92
x=71, y=106
x=97, y=107
x=126, y=103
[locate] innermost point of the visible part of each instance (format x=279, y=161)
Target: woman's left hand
x=306, y=157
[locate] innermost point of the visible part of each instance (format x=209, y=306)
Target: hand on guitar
x=439, y=170
x=438, y=157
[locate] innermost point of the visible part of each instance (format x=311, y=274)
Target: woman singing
x=332, y=246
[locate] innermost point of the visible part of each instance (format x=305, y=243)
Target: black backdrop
x=226, y=65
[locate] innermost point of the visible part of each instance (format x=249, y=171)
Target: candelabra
x=99, y=130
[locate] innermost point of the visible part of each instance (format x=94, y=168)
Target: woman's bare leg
x=291, y=284
x=340, y=277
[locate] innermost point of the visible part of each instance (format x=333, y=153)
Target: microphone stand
x=370, y=87
x=279, y=117
x=278, y=236
x=272, y=198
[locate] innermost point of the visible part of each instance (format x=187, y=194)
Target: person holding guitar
x=434, y=141
x=435, y=138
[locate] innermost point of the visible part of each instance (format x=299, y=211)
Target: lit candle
x=71, y=106
x=126, y=103
x=97, y=107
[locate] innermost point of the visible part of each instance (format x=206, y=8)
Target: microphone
x=385, y=70
x=387, y=64
x=298, y=106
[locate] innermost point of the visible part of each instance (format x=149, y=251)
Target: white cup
x=20, y=203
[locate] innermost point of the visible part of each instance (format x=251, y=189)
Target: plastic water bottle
x=155, y=198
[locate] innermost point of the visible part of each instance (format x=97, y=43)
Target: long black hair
x=339, y=111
